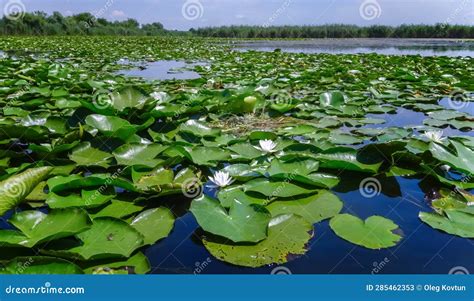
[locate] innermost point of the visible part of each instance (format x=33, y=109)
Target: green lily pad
x=376, y=232
x=288, y=236
x=199, y=129
x=154, y=224
x=40, y=265
x=87, y=199
x=314, y=209
x=85, y=155
x=462, y=161
x=457, y=222
x=108, y=238
x=37, y=227
x=137, y=264
x=139, y=154
x=243, y=222
x=275, y=189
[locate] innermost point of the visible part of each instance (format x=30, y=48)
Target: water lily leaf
x=198, y=129
x=373, y=233
x=243, y=222
x=154, y=224
x=137, y=264
x=112, y=126
x=108, y=237
x=332, y=99
x=283, y=170
x=40, y=265
x=118, y=209
x=244, y=172
x=139, y=154
x=85, y=155
x=314, y=209
x=287, y=237
x=323, y=180
x=244, y=151
x=37, y=227
x=207, y=155
x=228, y=195
x=275, y=189
x=345, y=160
x=128, y=97
x=464, y=160
x=15, y=189
x=87, y=199
x=72, y=182
x=457, y=222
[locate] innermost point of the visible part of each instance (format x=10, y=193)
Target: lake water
x=422, y=47
x=422, y=249
x=161, y=70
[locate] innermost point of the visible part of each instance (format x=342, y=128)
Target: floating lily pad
x=376, y=232
x=243, y=222
x=314, y=209
x=288, y=236
x=154, y=224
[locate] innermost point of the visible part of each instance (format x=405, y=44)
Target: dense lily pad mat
x=93, y=163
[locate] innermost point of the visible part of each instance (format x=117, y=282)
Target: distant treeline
x=339, y=31
x=40, y=23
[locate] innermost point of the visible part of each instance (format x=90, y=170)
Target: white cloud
x=118, y=14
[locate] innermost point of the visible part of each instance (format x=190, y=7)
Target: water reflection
x=422, y=249
x=424, y=47
x=161, y=70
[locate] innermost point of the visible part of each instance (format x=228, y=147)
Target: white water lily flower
x=435, y=136
x=221, y=179
x=267, y=146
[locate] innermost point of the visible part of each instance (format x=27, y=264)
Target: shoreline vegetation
x=40, y=23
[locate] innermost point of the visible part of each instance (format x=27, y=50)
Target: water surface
x=424, y=47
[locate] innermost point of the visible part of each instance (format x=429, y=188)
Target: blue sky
x=184, y=14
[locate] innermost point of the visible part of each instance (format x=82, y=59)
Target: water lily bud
x=249, y=103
